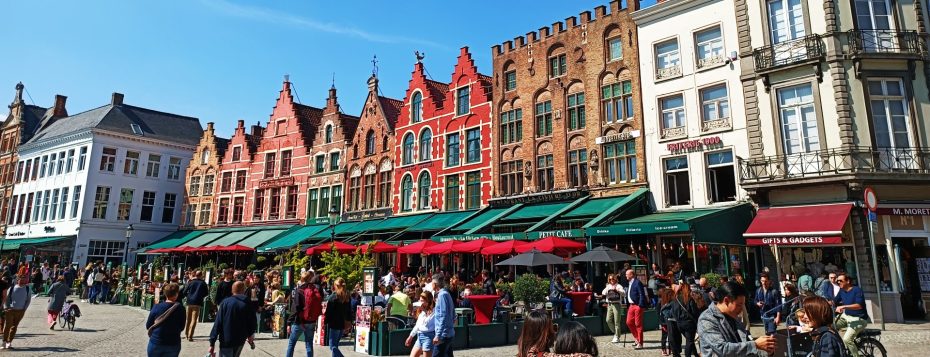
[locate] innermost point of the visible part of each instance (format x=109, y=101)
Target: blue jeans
x=444, y=348
x=769, y=323
x=566, y=304
x=94, y=291
x=104, y=291
x=163, y=350
x=296, y=330
x=333, y=339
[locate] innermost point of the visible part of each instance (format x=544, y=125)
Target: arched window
x=406, y=194
x=416, y=107
x=329, y=134
x=407, y=152
x=423, y=191
x=426, y=145
x=370, y=143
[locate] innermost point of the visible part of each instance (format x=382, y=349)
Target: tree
x=346, y=266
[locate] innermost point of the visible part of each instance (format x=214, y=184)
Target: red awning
x=554, y=245
x=504, y=248
x=474, y=246
x=342, y=248
x=446, y=247
x=416, y=248
x=379, y=247
x=235, y=248
x=799, y=225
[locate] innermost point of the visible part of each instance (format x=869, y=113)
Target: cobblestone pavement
x=119, y=331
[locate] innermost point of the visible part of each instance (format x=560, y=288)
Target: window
x=721, y=176
x=369, y=191
x=190, y=215
x=798, y=119
x=416, y=107
x=473, y=142
x=384, y=144
x=324, y=202
x=38, y=207
x=106, y=251
x=285, y=162
x=269, y=164
x=320, y=164
x=714, y=103
x=673, y=113
x=462, y=102
x=208, y=185
x=19, y=171
x=620, y=162
x=667, y=61
x=786, y=20
x=69, y=164
x=709, y=47
x=615, y=49
x=125, y=204
x=576, y=118
x=452, y=193
x=60, y=169
x=334, y=161
x=545, y=178
x=423, y=188
x=473, y=190
x=240, y=180
x=222, y=215
x=889, y=113
x=329, y=134
x=237, y=211
x=131, y=165
x=557, y=66
x=82, y=158
x=26, y=173
x=280, y=127
x=337, y=199
x=510, y=77
x=76, y=201
x=512, y=126
x=384, y=198
x=617, y=101
x=677, y=185
x=370, y=143
x=406, y=194
x=511, y=177
x=153, y=166
x=291, y=203
x=35, y=168
x=204, y=156
x=578, y=167
x=314, y=199
x=148, y=207
x=407, y=150
x=167, y=212
x=205, y=212
x=259, y=208
x=237, y=154
x=452, y=150
x=544, y=118
x=44, y=166
x=426, y=145
x=354, y=193
x=226, y=182
x=174, y=168
x=53, y=210
x=100, y=202
x=63, y=203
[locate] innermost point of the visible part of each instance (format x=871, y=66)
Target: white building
x=693, y=115
x=85, y=178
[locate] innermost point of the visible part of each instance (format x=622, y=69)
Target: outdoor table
x=579, y=301
x=484, y=307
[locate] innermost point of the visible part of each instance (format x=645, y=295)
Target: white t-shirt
x=425, y=323
x=617, y=287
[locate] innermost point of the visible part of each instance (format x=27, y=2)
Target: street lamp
x=333, y=220
x=129, y=230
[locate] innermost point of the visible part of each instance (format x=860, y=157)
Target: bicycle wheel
x=71, y=323
x=870, y=347
x=62, y=320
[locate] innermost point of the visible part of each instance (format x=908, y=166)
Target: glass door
x=891, y=124
x=875, y=22
x=786, y=25
x=799, y=129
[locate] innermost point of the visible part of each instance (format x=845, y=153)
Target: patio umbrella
x=236, y=248
x=378, y=247
x=602, y=254
x=503, y=248
x=553, y=245
x=446, y=247
x=158, y=251
x=534, y=258
x=416, y=248
x=474, y=246
x=343, y=248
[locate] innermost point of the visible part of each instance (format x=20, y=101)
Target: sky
x=225, y=60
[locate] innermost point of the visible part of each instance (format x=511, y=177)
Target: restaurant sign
x=808, y=240
x=498, y=237
x=366, y=215
x=695, y=145
x=562, y=233
x=642, y=228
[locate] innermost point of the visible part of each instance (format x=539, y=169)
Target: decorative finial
x=334, y=81
x=374, y=65
x=420, y=56
x=287, y=78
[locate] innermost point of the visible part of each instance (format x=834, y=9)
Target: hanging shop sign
x=695, y=145
x=810, y=240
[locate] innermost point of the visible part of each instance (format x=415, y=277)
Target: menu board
x=923, y=273
x=362, y=328
x=641, y=272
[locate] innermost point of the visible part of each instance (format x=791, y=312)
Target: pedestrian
x=87, y=282
x=399, y=304
x=827, y=342
x=425, y=328
x=303, y=312
x=767, y=298
x=195, y=291
x=685, y=312
x=613, y=294
x=223, y=288
x=235, y=323
x=444, y=315
x=487, y=284
x=666, y=295
x=17, y=301
x=722, y=334
x=165, y=323
x=830, y=288
x=57, y=294
x=573, y=340
x=38, y=282
x=338, y=317
x=636, y=296
x=805, y=283
x=792, y=304
x=537, y=334
x=850, y=305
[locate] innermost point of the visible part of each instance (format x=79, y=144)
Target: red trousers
x=634, y=320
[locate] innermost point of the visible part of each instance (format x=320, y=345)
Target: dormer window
x=205, y=157
x=136, y=129
x=329, y=133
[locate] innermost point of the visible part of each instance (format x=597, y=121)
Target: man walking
x=234, y=325
x=303, y=312
x=766, y=299
x=443, y=315
x=17, y=301
x=195, y=291
x=638, y=303
x=850, y=302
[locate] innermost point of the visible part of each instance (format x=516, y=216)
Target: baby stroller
x=69, y=314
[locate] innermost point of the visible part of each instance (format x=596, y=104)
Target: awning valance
x=714, y=225
x=799, y=225
x=292, y=238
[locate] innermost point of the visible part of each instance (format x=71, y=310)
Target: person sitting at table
x=557, y=295
x=464, y=302
x=592, y=300
x=455, y=290
x=502, y=304
x=399, y=304
x=487, y=284
x=577, y=285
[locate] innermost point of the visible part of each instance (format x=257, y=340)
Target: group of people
x=20, y=283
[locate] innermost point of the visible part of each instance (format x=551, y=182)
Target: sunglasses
x=840, y=280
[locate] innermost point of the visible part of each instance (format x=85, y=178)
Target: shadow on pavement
x=45, y=349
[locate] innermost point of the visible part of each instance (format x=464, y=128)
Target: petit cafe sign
x=694, y=145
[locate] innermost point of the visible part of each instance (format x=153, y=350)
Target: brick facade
x=536, y=77
x=201, y=179
x=330, y=139
x=236, y=167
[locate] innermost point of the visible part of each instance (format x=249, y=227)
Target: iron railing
x=782, y=54
x=831, y=162
x=886, y=42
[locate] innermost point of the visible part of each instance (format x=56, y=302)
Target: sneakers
x=7, y=346
x=615, y=340
x=51, y=327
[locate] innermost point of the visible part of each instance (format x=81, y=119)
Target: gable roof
x=308, y=118
x=391, y=108
x=119, y=118
x=221, y=145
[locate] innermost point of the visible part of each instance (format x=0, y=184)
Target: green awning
x=716, y=225
x=262, y=236
x=232, y=238
x=440, y=221
x=399, y=223
x=592, y=207
x=362, y=226
x=16, y=243
x=174, y=240
x=340, y=230
x=204, y=239
x=535, y=211
x=292, y=238
x=479, y=219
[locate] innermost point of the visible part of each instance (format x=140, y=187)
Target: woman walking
x=57, y=294
x=827, y=342
x=665, y=311
x=613, y=294
x=425, y=329
x=338, y=316
x=685, y=312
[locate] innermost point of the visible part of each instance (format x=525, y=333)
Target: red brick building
x=232, y=183
x=330, y=138
x=371, y=157
x=443, y=152
x=201, y=179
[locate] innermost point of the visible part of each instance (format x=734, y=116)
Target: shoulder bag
x=161, y=318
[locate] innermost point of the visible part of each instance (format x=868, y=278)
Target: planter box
x=395, y=343
x=490, y=335
x=147, y=302
x=460, y=341
x=593, y=324
x=650, y=320
x=513, y=331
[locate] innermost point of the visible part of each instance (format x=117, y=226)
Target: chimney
x=19, y=92
x=59, y=110
x=117, y=99
x=257, y=130
x=210, y=127
x=331, y=102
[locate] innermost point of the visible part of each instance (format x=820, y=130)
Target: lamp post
x=333, y=220
x=129, y=230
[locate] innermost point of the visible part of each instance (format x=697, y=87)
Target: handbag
x=161, y=318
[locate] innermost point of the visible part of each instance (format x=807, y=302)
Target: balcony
x=806, y=49
x=855, y=162
x=883, y=43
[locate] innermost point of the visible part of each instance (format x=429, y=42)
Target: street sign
x=873, y=217
x=871, y=200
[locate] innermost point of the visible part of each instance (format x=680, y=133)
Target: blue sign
x=873, y=217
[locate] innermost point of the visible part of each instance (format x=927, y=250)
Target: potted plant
x=531, y=290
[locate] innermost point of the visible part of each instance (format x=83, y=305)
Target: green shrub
x=530, y=289
x=713, y=279
x=346, y=266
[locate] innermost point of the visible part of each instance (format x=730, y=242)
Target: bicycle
x=869, y=345
x=68, y=316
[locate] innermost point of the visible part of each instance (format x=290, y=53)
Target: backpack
x=312, y=307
